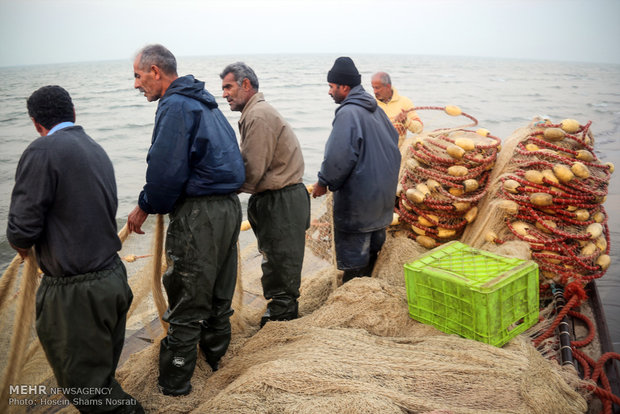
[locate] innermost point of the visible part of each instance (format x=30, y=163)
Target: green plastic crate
x=473, y=293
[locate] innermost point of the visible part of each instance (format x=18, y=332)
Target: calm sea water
x=502, y=94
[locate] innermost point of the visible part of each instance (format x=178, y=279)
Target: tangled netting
x=354, y=348
x=545, y=194
x=445, y=175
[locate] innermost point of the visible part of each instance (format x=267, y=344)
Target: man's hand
x=318, y=190
x=23, y=253
x=402, y=117
x=135, y=220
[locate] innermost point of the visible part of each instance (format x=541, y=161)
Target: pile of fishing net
x=547, y=190
x=354, y=349
x=445, y=175
x=359, y=351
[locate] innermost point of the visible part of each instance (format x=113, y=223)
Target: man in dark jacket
x=64, y=203
x=360, y=166
x=194, y=171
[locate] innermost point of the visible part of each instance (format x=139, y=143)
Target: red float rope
x=593, y=370
x=443, y=108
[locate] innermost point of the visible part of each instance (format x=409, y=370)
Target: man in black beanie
x=360, y=166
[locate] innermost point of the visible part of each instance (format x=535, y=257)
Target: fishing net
x=547, y=191
x=354, y=348
x=444, y=177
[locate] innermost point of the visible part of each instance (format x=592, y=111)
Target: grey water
x=503, y=95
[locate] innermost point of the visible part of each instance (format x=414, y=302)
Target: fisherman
x=64, y=203
x=398, y=108
x=194, y=171
x=360, y=166
x=279, y=207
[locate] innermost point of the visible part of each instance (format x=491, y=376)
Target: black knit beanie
x=344, y=72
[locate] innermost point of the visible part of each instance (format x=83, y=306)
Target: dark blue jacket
x=194, y=151
x=361, y=164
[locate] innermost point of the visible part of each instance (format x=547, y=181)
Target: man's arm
x=32, y=195
x=168, y=161
x=413, y=122
x=409, y=117
x=341, y=151
x=258, y=145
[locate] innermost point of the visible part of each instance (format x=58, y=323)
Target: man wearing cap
x=398, y=108
x=360, y=165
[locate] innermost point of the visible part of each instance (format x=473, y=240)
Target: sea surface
x=502, y=95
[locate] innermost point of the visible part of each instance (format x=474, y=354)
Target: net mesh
x=354, y=347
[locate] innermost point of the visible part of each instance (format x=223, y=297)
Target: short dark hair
x=50, y=105
x=159, y=56
x=241, y=71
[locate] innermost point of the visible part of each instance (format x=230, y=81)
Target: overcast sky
x=53, y=31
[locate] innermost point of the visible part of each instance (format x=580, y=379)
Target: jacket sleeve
x=258, y=146
x=32, y=197
x=341, y=151
x=168, y=160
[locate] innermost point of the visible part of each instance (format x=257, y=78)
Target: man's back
x=65, y=201
x=362, y=162
x=194, y=151
x=270, y=148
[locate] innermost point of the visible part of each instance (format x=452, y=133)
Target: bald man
x=398, y=108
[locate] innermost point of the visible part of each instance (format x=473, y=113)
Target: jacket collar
x=258, y=97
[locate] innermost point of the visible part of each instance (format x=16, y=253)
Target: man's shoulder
x=176, y=101
x=262, y=110
x=349, y=109
x=401, y=99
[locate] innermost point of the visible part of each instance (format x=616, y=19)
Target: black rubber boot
x=175, y=370
x=367, y=271
x=353, y=273
x=280, y=309
x=214, y=345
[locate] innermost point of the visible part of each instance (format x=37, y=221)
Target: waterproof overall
x=201, y=251
x=80, y=322
x=279, y=219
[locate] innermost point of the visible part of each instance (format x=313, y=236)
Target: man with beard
x=279, y=207
x=360, y=165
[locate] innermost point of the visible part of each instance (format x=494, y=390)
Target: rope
x=158, y=247
x=8, y=281
x=444, y=108
x=593, y=370
x=25, y=315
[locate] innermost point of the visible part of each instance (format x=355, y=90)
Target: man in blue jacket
x=194, y=171
x=360, y=166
